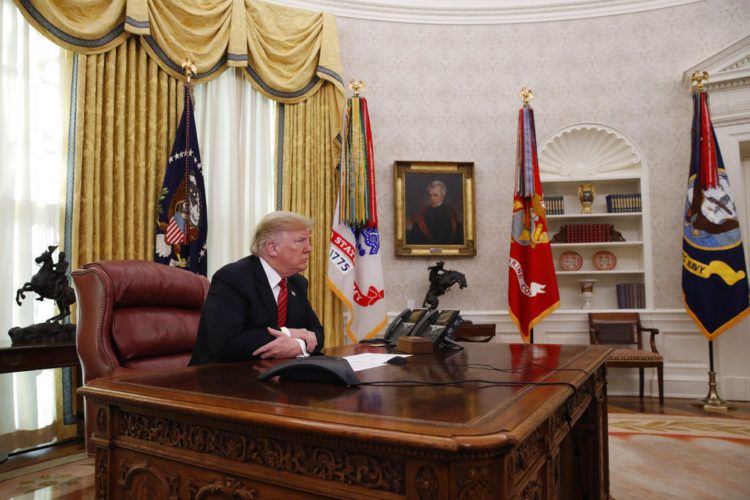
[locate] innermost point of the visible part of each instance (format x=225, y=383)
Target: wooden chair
x=470, y=332
x=626, y=329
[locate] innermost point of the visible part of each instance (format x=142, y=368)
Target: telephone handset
x=441, y=328
x=403, y=324
x=438, y=326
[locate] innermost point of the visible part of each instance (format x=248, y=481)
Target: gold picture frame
x=434, y=208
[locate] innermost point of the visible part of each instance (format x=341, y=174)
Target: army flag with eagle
x=532, y=284
x=714, y=278
x=182, y=224
x=355, y=269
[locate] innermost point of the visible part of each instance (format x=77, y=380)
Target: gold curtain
x=309, y=153
x=127, y=112
x=129, y=99
x=287, y=53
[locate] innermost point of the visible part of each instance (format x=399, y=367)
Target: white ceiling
x=478, y=11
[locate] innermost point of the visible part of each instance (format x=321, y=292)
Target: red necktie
x=282, y=302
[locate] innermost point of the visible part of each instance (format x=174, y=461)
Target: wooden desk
x=216, y=430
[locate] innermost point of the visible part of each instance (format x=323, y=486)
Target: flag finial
x=697, y=79
x=527, y=95
x=189, y=68
x=356, y=86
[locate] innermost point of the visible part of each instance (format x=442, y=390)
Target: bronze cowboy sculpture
x=440, y=281
x=50, y=282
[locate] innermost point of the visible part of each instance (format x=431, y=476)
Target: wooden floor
x=83, y=487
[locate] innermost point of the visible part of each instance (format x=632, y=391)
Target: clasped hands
x=284, y=346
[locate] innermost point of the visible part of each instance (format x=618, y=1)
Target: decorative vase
x=587, y=292
x=586, y=193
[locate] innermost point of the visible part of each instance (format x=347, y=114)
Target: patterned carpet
x=685, y=457
x=651, y=457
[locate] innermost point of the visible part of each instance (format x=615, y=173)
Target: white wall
x=450, y=93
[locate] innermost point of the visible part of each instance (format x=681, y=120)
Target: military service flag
x=182, y=225
x=532, y=284
x=355, y=269
x=714, y=280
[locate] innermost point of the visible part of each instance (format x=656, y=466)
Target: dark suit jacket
x=240, y=306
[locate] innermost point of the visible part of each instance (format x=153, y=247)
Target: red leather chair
x=134, y=316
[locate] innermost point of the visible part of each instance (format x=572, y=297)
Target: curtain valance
x=286, y=53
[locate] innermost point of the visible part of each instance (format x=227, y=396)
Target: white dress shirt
x=274, y=279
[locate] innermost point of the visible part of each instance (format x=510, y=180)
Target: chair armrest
x=652, y=338
x=93, y=300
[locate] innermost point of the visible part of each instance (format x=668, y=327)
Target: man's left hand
x=280, y=347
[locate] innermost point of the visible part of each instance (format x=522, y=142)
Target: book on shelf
x=631, y=295
x=586, y=233
x=622, y=203
x=555, y=205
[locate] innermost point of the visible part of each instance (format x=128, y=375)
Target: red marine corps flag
x=532, y=285
x=355, y=269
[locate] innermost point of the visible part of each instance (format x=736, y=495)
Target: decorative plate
x=570, y=261
x=604, y=260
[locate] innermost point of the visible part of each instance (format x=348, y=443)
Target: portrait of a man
x=434, y=208
x=435, y=220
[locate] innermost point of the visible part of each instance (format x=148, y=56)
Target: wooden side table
x=471, y=332
x=41, y=356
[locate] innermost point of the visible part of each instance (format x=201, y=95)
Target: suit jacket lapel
x=264, y=288
x=293, y=301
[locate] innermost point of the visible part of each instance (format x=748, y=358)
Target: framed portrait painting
x=434, y=208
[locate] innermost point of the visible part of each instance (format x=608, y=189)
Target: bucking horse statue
x=440, y=281
x=50, y=282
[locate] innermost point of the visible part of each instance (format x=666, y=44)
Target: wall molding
x=479, y=11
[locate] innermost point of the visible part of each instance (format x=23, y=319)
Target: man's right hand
x=311, y=341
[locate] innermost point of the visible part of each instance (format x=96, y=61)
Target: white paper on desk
x=370, y=360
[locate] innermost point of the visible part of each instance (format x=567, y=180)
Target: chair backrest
x=136, y=316
x=615, y=328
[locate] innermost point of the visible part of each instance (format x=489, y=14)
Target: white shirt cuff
x=301, y=343
x=302, y=346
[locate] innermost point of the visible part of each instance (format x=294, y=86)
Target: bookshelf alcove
x=602, y=163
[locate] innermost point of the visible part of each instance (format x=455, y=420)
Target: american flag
x=182, y=226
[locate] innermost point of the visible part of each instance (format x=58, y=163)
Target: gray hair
x=277, y=222
x=437, y=184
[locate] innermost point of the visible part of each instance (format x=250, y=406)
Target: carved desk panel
x=532, y=424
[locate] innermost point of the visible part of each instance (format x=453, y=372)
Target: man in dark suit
x=257, y=307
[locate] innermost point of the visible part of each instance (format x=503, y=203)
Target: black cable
x=461, y=382
x=522, y=370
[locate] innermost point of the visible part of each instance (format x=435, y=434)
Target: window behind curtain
x=33, y=93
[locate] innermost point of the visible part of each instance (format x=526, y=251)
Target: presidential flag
x=355, y=269
x=182, y=224
x=532, y=284
x=714, y=279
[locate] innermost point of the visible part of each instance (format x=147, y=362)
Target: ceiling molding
x=479, y=11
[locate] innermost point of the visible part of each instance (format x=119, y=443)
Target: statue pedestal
x=42, y=332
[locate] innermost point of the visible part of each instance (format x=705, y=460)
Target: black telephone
x=407, y=321
x=441, y=329
x=438, y=326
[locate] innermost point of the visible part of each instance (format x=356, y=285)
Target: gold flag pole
x=356, y=86
x=697, y=79
x=712, y=402
x=526, y=94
